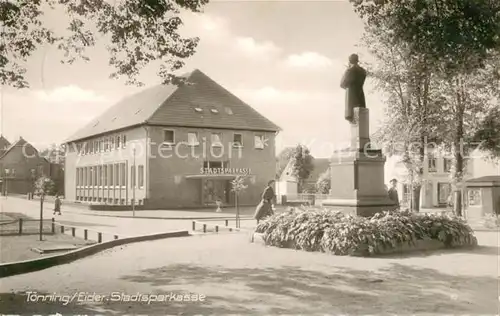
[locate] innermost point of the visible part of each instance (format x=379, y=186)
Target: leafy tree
x=489, y=134
x=323, y=184
x=282, y=160
x=237, y=186
x=140, y=32
x=458, y=38
x=302, y=164
x=411, y=117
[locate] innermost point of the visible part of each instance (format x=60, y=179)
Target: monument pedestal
x=357, y=174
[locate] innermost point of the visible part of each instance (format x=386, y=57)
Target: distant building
x=20, y=165
x=190, y=142
x=287, y=183
x=437, y=178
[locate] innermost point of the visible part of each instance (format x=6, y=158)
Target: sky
x=284, y=58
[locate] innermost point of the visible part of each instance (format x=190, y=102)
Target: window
x=96, y=176
x=198, y=110
x=118, y=142
x=124, y=141
x=229, y=111
x=99, y=175
x=215, y=111
x=110, y=179
x=96, y=146
x=447, y=162
x=474, y=197
x=77, y=176
x=112, y=142
x=141, y=176
x=106, y=144
x=132, y=176
x=193, y=139
x=168, y=136
x=123, y=175
x=216, y=140
x=105, y=175
x=84, y=176
x=237, y=140
x=215, y=164
x=117, y=175
x=259, y=141
x=431, y=164
x=91, y=176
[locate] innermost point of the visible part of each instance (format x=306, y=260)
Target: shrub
x=491, y=221
x=335, y=232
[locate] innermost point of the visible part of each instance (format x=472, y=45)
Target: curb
x=20, y=267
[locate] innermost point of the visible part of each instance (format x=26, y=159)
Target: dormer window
x=215, y=111
x=199, y=110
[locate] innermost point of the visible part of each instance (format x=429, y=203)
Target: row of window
x=215, y=138
x=432, y=164
x=109, y=175
x=101, y=145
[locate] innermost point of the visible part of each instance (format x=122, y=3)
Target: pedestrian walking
x=57, y=206
x=266, y=206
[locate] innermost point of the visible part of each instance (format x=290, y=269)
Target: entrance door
x=444, y=190
x=215, y=189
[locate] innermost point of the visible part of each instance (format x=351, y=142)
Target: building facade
x=20, y=165
x=436, y=187
x=172, y=147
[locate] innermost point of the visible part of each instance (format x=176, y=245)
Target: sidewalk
x=200, y=214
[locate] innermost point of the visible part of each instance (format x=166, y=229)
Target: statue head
x=353, y=59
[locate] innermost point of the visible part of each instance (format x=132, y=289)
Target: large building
x=172, y=147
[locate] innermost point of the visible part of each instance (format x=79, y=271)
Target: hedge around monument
x=334, y=232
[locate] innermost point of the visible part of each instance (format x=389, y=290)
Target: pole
x=133, y=188
x=237, y=211
x=41, y=215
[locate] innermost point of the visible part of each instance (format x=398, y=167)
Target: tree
x=323, y=184
x=411, y=117
x=458, y=38
x=302, y=164
x=43, y=186
x=283, y=159
x=237, y=186
x=488, y=134
x=140, y=32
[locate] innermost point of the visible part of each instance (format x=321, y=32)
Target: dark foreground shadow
x=398, y=290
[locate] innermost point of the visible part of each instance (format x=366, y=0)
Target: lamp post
x=7, y=172
x=133, y=186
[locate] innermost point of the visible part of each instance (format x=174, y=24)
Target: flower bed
x=334, y=232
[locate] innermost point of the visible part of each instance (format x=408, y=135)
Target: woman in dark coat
x=264, y=209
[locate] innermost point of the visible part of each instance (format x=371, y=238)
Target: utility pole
x=133, y=187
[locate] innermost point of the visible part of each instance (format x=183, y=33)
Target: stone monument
x=357, y=173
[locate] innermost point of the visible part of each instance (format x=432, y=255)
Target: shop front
x=216, y=185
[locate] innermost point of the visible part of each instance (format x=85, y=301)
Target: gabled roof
x=200, y=103
x=4, y=143
x=21, y=142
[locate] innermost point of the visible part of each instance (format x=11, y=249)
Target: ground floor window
x=474, y=197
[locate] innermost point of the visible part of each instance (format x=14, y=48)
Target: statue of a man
x=353, y=81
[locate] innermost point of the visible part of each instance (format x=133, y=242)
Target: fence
x=303, y=199
x=23, y=226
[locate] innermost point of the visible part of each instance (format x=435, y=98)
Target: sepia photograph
x=249, y=157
